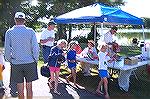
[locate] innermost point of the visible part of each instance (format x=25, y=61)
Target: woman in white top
x=91, y=53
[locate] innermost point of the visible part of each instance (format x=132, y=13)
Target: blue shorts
x=72, y=65
x=103, y=73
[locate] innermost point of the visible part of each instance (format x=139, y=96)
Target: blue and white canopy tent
x=99, y=14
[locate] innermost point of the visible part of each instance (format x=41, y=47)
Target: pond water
x=121, y=38
x=126, y=38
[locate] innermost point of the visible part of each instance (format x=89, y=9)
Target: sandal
x=99, y=93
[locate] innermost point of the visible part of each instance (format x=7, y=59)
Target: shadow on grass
x=139, y=89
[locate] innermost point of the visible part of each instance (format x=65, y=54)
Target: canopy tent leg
x=94, y=32
x=143, y=33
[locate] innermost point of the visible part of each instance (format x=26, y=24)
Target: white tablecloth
x=125, y=70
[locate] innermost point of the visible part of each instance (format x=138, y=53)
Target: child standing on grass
x=56, y=57
x=71, y=59
x=103, y=73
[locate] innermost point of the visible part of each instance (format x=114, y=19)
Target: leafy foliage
x=45, y=8
x=147, y=22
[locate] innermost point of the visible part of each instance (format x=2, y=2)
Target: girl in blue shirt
x=71, y=59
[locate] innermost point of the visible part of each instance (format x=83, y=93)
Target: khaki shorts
x=21, y=71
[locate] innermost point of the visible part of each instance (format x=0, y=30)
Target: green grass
x=40, y=63
x=1, y=45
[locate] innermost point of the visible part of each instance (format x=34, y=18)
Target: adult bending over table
x=113, y=47
x=109, y=40
x=90, y=53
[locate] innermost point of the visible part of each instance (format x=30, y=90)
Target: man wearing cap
x=113, y=47
x=108, y=37
x=22, y=51
x=47, y=40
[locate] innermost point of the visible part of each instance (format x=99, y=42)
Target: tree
x=147, y=22
x=35, y=12
x=7, y=10
x=45, y=8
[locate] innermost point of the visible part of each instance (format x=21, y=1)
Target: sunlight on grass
x=40, y=63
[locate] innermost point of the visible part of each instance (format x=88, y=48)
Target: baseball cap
x=20, y=15
x=51, y=23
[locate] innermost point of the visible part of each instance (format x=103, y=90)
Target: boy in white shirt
x=103, y=73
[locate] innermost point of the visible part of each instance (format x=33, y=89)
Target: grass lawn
x=40, y=63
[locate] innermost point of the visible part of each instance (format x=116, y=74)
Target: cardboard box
x=131, y=60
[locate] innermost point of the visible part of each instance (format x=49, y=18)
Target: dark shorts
x=103, y=73
x=21, y=71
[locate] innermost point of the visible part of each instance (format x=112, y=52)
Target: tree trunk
x=70, y=30
x=60, y=29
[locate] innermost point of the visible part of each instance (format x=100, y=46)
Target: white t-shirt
x=103, y=58
x=46, y=34
x=108, y=37
x=85, y=51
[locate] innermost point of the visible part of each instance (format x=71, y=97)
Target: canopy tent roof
x=98, y=13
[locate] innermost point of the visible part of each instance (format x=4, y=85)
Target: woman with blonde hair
x=89, y=52
x=56, y=57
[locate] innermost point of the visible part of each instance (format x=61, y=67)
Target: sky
x=139, y=8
